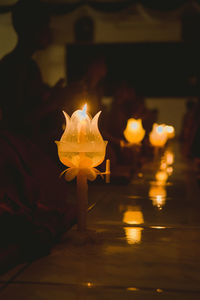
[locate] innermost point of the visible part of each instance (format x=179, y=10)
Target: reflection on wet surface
x=169, y=157
x=133, y=215
x=158, y=194
x=158, y=190
x=161, y=177
x=147, y=243
x=169, y=171
x=133, y=235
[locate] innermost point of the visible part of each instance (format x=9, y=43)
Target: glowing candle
x=81, y=148
x=170, y=131
x=134, y=132
x=158, y=136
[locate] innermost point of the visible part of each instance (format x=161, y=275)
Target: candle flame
x=160, y=129
x=170, y=129
x=84, y=108
x=83, y=113
x=134, y=125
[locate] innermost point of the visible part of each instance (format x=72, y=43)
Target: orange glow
x=81, y=146
x=133, y=216
x=158, y=195
x=158, y=227
x=134, y=132
x=132, y=289
x=82, y=115
x=158, y=136
x=169, y=157
x=133, y=235
x=169, y=170
x=161, y=176
x=163, y=166
x=157, y=191
x=170, y=131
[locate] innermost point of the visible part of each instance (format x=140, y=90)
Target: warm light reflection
x=159, y=202
x=134, y=289
x=157, y=194
x=169, y=157
x=158, y=227
x=134, y=132
x=163, y=165
x=161, y=176
x=169, y=170
x=133, y=215
x=89, y=284
x=133, y=235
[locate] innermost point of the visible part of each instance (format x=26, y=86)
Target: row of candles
x=134, y=133
x=82, y=148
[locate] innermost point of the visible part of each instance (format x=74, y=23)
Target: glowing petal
x=91, y=174
x=67, y=120
x=71, y=173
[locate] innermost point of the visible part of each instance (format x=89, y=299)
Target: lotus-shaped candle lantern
x=158, y=135
x=82, y=148
x=134, y=132
x=81, y=145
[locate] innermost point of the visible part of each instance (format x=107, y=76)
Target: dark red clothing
x=34, y=210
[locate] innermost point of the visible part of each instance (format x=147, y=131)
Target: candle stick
x=82, y=200
x=107, y=170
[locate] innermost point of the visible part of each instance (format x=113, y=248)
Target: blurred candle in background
x=134, y=132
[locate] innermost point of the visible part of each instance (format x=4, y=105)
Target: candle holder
x=82, y=148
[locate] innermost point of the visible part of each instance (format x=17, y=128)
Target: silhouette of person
x=24, y=97
x=31, y=193
x=89, y=89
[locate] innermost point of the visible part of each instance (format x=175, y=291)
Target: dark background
x=154, y=69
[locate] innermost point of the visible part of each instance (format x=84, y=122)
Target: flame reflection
x=167, y=162
x=133, y=235
x=158, y=194
x=169, y=157
x=169, y=170
x=161, y=177
x=133, y=215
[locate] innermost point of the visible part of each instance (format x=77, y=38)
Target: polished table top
x=146, y=243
